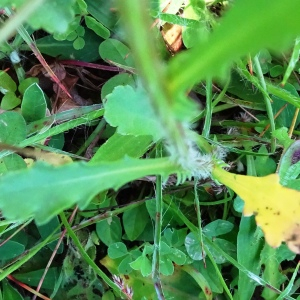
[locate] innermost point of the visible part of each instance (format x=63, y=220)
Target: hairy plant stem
x=157, y=239
x=153, y=73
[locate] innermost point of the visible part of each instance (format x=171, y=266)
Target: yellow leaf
x=276, y=208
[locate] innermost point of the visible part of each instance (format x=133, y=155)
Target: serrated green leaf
x=48, y=190
x=33, y=104
x=131, y=112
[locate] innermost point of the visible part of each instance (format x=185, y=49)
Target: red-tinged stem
x=89, y=65
x=41, y=59
x=26, y=287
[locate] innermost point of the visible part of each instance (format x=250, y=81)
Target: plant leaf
x=131, y=111
x=276, y=208
x=43, y=191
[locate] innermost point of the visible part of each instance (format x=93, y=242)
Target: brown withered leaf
x=172, y=34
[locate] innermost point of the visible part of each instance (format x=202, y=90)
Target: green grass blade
x=247, y=27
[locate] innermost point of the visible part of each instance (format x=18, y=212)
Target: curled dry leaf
x=276, y=208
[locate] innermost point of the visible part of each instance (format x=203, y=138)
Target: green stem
x=86, y=257
x=198, y=212
x=157, y=239
x=207, y=121
x=94, y=134
x=267, y=99
x=153, y=73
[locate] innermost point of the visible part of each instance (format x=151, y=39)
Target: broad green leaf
x=130, y=110
x=6, y=83
x=78, y=43
x=177, y=256
x=33, y=104
x=118, y=146
x=10, y=250
x=249, y=246
x=12, y=162
x=143, y=264
x=234, y=37
x=116, y=51
x=166, y=266
x=109, y=231
x=264, y=165
x=102, y=12
x=12, y=128
x=124, y=266
x=120, y=79
x=10, y=101
x=49, y=190
x=217, y=227
x=33, y=277
x=201, y=281
x=24, y=84
x=53, y=16
x=97, y=27
x=276, y=207
x=9, y=292
x=135, y=221
x=271, y=272
x=65, y=50
x=193, y=246
x=117, y=250
x=48, y=229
